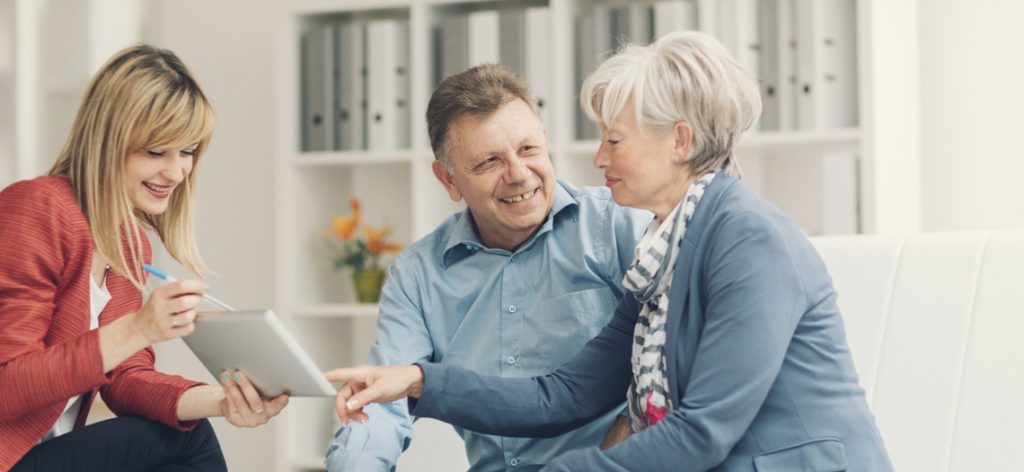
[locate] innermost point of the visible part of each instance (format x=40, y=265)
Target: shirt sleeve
x=402, y=338
x=34, y=251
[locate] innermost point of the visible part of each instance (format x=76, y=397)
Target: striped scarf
x=649, y=279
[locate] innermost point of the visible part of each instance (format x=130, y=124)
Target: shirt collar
x=464, y=240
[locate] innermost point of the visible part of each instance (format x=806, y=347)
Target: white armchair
x=936, y=327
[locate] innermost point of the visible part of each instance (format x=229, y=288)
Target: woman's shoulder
x=43, y=191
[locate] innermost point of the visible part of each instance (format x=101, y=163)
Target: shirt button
x=512, y=309
x=511, y=360
x=514, y=462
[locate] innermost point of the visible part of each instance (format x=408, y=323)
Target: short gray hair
x=477, y=91
x=683, y=76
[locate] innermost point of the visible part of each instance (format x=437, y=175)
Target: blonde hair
x=683, y=76
x=142, y=98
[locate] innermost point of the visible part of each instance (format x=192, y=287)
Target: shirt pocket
x=572, y=319
x=818, y=455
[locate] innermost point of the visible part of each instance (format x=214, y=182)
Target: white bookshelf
x=399, y=189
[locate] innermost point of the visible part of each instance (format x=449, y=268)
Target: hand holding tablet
x=258, y=344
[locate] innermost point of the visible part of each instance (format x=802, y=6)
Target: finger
x=275, y=405
x=344, y=393
x=249, y=393
x=183, y=319
x=368, y=395
x=232, y=412
x=345, y=375
x=184, y=303
x=235, y=391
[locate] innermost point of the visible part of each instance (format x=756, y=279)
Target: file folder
x=318, y=83
x=350, y=61
x=483, y=37
x=382, y=82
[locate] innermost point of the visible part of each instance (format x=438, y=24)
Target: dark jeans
x=128, y=444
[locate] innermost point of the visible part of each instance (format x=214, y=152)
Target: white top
x=99, y=296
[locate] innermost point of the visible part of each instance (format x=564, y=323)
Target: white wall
x=972, y=102
x=228, y=45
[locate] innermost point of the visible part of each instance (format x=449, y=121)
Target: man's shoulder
x=597, y=202
x=588, y=195
x=430, y=248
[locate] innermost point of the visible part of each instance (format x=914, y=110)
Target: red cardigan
x=47, y=352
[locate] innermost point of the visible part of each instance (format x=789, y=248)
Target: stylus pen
x=170, y=278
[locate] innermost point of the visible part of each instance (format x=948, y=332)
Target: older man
x=514, y=285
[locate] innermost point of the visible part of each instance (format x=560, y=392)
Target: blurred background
x=895, y=116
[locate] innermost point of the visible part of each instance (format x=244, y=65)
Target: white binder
x=483, y=37
x=525, y=50
x=826, y=63
x=382, y=82
x=674, y=15
x=350, y=89
x=318, y=88
x=537, y=63
x=768, y=77
x=789, y=84
x=402, y=86
x=836, y=61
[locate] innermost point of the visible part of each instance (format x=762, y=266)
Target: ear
x=683, y=142
x=446, y=179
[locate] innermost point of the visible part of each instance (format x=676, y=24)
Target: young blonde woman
x=72, y=321
x=728, y=348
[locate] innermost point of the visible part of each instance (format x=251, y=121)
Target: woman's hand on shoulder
x=243, y=406
x=169, y=312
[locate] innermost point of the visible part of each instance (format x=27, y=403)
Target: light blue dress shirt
x=450, y=300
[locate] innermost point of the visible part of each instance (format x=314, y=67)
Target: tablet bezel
x=272, y=359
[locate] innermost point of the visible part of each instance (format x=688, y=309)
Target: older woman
x=729, y=350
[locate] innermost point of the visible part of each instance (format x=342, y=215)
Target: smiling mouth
x=158, y=189
x=520, y=197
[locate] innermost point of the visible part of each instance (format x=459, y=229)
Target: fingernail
x=361, y=421
x=260, y=411
x=238, y=376
x=224, y=376
x=351, y=404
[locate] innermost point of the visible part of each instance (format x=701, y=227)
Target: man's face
x=501, y=167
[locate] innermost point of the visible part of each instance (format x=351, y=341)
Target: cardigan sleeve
x=589, y=385
x=36, y=247
x=135, y=387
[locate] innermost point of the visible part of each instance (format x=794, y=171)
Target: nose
x=517, y=171
x=601, y=157
x=176, y=168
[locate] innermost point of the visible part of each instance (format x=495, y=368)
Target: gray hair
x=477, y=91
x=683, y=76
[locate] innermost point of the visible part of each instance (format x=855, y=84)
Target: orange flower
x=343, y=227
x=376, y=240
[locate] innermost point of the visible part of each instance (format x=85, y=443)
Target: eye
x=529, y=148
x=154, y=153
x=189, y=152
x=613, y=141
x=489, y=162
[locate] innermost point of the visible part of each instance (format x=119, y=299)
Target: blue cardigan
x=759, y=372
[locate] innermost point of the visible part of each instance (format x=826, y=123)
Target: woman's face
x=643, y=170
x=151, y=176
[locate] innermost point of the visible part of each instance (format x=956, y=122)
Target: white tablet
x=257, y=343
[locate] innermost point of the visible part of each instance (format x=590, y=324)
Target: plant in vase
x=363, y=254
